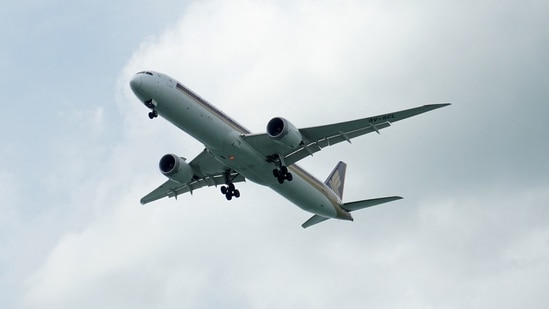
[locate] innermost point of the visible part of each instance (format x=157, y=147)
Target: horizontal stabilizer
x=369, y=203
x=314, y=220
x=352, y=207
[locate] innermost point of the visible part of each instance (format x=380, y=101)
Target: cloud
x=465, y=231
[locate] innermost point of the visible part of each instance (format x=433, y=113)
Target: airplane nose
x=135, y=83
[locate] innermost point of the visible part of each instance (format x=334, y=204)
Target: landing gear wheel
x=282, y=174
x=289, y=176
x=153, y=114
x=230, y=191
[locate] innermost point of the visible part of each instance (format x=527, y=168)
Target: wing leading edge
x=316, y=138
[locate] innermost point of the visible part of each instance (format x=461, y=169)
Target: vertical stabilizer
x=336, y=180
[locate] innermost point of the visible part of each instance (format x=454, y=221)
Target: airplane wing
x=316, y=138
x=207, y=172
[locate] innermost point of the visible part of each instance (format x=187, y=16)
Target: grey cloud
x=471, y=231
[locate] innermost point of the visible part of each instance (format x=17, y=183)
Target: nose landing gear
x=151, y=104
x=153, y=114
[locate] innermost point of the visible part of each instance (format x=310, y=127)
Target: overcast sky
x=78, y=152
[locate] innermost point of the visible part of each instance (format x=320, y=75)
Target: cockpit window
x=145, y=72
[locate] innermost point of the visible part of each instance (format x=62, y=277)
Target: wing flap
x=263, y=144
x=173, y=189
x=312, y=147
x=163, y=190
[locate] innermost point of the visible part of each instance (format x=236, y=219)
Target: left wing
x=207, y=172
x=316, y=138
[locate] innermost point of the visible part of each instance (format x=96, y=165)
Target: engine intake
x=284, y=132
x=176, y=168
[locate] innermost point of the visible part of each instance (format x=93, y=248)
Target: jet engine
x=176, y=168
x=284, y=132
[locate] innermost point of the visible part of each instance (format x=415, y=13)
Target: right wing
x=207, y=172
x=316, y=138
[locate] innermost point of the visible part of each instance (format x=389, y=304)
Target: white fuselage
x=222, y=138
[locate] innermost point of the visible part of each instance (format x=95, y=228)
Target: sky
x=79, y=151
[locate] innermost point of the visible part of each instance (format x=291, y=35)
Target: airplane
x=233, y=154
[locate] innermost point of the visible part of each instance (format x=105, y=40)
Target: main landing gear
x=282, y=174
x=229, y=190
x=281, y=171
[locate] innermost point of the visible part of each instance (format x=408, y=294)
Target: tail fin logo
x=336, y=180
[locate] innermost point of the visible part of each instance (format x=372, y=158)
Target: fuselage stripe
x=212, y=109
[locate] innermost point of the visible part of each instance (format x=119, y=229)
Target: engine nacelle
x=284, y=132
x=176, y=168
